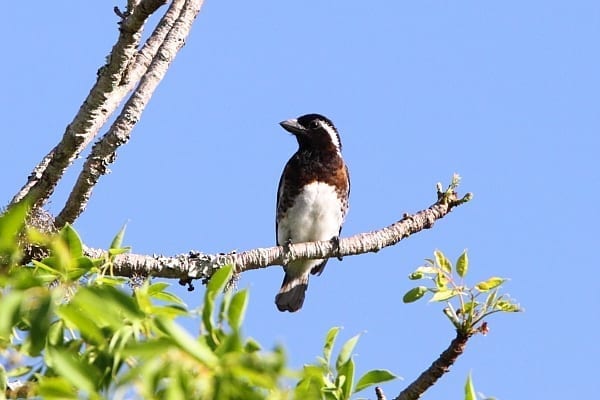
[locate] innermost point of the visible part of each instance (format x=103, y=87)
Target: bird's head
x=314, y=131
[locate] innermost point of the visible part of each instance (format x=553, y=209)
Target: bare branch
x=196, y=265
x=438, y=368
x=103, y=99
x=104, y=151
x=379, y=393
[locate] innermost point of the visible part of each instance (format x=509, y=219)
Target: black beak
x=292, y=126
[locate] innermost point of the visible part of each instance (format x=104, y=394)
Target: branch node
x=121, y=14
x=137, y=279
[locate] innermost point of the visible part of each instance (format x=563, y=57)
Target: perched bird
x=312, y=200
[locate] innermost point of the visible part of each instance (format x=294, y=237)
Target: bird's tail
x=291, y=295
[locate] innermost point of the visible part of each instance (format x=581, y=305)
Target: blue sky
x=505, y=93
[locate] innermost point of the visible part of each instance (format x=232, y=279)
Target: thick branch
x=104, y=151
x=197, y=265
x=103, y=99
x=439, y=367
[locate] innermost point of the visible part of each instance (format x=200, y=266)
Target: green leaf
x=462, y=264
x=346, y=352
x=311, y=384
x=116, y=252
x=490, y=301
x=427, y=269
x=11, y=223
x=10, y=308
x=117, y=241
x=55, y=388
x=168, y=297
x=175, y=388
x=18, y=371
x=507, y=306
x=108, y=305
x=347, y=371
x=470, y=389
x=45, y=267
x=148, y=349
x=157, y=287
x=82, y=375
x=444, y=294
x=215, y=286
x=237, y=309
x=56, y=334
x=469, y=307
x=187, y=343
x=490, y=284
x=373, y=377
x=78, y=318
x=219, y=279
x=441, y=280
x=442, y=261
x=251, y=346
x=72, y=240
x=329, y=342
x=59, y=259
x=414, y=294
x=39, y=312
x=111, y=280
x=3, y=381
x=416, y=276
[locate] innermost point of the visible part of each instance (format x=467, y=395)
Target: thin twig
x=103, y=99
x=104, y=151
x=379, y=393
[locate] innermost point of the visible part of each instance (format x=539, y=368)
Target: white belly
x=315, y=215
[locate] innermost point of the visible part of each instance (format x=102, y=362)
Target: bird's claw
x=335, y=241
x=287, y=251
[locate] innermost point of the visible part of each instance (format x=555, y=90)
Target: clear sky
x=505, y=93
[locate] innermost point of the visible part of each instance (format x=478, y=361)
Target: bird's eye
x=314, y=124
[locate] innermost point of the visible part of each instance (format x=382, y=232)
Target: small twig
x=438, y=368
x=120, y=13
x=379, y=393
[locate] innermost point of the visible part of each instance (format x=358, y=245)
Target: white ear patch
x=332, y=133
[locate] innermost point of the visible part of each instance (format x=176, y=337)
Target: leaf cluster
x=336, y=382
x=69, y=329
x=447, y=283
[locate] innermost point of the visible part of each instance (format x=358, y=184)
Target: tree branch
x=438, y=368
x=104, y=151
x=103, y=99
x=196, y=265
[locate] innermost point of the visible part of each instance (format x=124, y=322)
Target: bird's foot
x=287, y=251
x=335, y=241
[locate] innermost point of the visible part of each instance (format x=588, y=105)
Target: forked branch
x=170, y=36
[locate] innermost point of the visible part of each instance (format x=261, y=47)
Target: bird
x=312, y=200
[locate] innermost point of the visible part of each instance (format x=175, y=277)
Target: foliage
x=70, y=330
x=447, y=283
x=471, y=394
x=337, y=382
